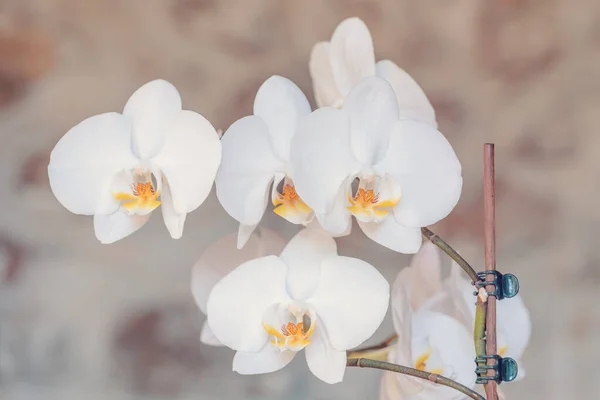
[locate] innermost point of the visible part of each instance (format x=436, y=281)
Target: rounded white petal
x=428, y=171
x=322, y=158
x=324, y=361
x=189, y=160
x=338, y=221
x=324, y=85
x=152, y=108
x=269, y=359
x=208, y=337
x=412, y=101
x=222, y=257
x=247, y=169
x=236, y=303
x=173, y=220
x=422, y=280
x=351, y=300
x=373, y=110
x=281, y=105
x=461, y=290
x=85, y=160
x=455, y=345
x=402, y=319
x=351, y=54
x=392, y=235
x=515, y=323
x=303, y=256
x=116, y=226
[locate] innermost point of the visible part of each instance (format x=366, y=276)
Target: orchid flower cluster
x=370, y=150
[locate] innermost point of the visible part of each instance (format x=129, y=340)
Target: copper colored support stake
x=489, y=210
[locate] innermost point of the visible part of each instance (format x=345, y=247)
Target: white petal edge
x=85, y=160
x=247, y=169
x=392, y=235
x=303, y=256
x=151, y=110
x=189, y=160
x=324, y=85
x=351, y=300
x=412, y=101
x=428, y=171
x=325, y=362
x=373, y=110
x=208, y=337
x=116, y=226
x=269, y=359
x=322, y=158
x=352, y=55
x=281, y=105
x=235, y=307
x=173, y=221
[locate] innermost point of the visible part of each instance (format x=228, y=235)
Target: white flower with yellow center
x=394, y=175
x=116, y=166
x=428, y=338
x=337, y=66
x=256, y=153
x=308, y=298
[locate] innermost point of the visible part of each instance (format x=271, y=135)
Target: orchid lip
x=142, y=198
x=295, y=331
x=289, y=205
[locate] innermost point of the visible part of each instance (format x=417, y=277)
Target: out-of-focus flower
x=220, y=259
x=116, y=166
x=428, y=338
x=406, y=173
x=337, y=66
x=256, y=153
x=308, y=298
x=513, y=323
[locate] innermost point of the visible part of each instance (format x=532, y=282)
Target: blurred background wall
x=81, y=320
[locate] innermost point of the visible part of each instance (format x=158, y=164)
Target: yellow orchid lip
x=143, y=196
x=366, y=204
x=290, y=206
x=291, y=336
x=421, y=363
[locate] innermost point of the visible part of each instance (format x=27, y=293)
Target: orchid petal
x=322, y=158
x=412, y=101
x=422, y=279
x=236, y=303
x=152, y=108
x=351, y=308
x=247, y=169
x=428, y=171
x=303, y=256
x=338, y=221
x=324, y=361
x=351, y=54
x=116, y=226
x=461, y=291
x=85, y=160
x=281, y=105
x=373, y=110
x=222, y=257
x=189, y=160
x=392, y=235
x=513, y=313
x=208, y=337
x=173, y=220
x=269, y=359
x=402, y=319
x=324, y=86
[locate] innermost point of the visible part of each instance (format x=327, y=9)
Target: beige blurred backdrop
x=81, y=320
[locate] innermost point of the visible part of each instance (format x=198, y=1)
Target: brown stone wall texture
x=81, y=320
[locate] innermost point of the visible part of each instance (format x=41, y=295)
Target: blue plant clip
x=506, y=369
x=505, y=285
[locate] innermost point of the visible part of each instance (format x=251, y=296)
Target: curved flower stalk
x=309, y=298
x=256, y=153
x=513, y=323
x=406, y=174
x=428, y=338
x=337, y=66
x=220, y=259
x=120, y=167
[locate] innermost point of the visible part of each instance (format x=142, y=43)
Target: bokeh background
x=81, y=320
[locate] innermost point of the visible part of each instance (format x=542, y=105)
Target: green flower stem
x=435, y=378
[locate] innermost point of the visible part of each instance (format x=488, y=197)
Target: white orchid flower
x=513, y=322
x=428, y=338
x=337, y=66
x=308, y=298
x=407, y=174
x=256, y=153
x=116, y=166
x=222, y=257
